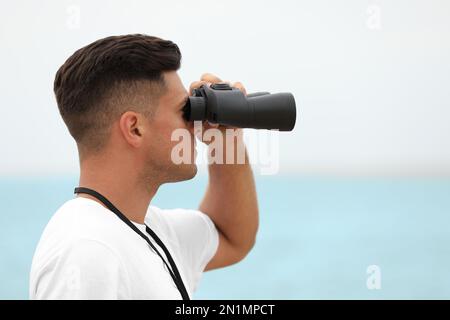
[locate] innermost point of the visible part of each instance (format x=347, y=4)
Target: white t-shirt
x=87, y=252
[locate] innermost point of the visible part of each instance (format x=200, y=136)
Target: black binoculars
x=219, y=103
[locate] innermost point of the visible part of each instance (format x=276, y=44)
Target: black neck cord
x=174, y=270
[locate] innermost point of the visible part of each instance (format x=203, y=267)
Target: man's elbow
x=245, y=248
x=242, y=252
x=249, y=247
x=252, y=239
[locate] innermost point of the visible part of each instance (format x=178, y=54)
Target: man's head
x=121, y=96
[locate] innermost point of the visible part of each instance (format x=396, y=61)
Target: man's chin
x=192, y=172
x=184, y=172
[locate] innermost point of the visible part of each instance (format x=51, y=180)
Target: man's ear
x=132, y=127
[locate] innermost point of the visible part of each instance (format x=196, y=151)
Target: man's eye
x=185, y=111
x=183, y=106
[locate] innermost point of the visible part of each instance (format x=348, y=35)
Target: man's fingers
x=208, y=125
x=240, y=86
x=195, y=85
x=209, y=77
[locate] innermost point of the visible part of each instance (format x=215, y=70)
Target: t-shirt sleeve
x=197, y=240
x=85, y=269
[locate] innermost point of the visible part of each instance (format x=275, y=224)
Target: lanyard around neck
x=174, y=270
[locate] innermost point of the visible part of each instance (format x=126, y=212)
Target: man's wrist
x=230, y=149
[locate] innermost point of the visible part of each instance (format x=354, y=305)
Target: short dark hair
x=108, y=77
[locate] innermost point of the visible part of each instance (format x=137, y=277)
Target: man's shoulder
x=78, y=219
x=82, y=216
x=74, y=240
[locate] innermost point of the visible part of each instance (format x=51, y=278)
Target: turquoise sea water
x=317, y=236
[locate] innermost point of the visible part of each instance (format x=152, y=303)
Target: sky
x=371, y=78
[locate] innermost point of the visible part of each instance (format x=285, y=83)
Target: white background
x=371, y=78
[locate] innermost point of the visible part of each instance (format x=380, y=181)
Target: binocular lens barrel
x=272, y=111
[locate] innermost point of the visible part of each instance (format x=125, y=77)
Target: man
x=121, y=99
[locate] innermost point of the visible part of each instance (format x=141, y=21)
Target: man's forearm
x=231, y=201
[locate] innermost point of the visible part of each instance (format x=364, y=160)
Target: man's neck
x=127, y=194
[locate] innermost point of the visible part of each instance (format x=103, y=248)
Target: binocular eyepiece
x=222, y=104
